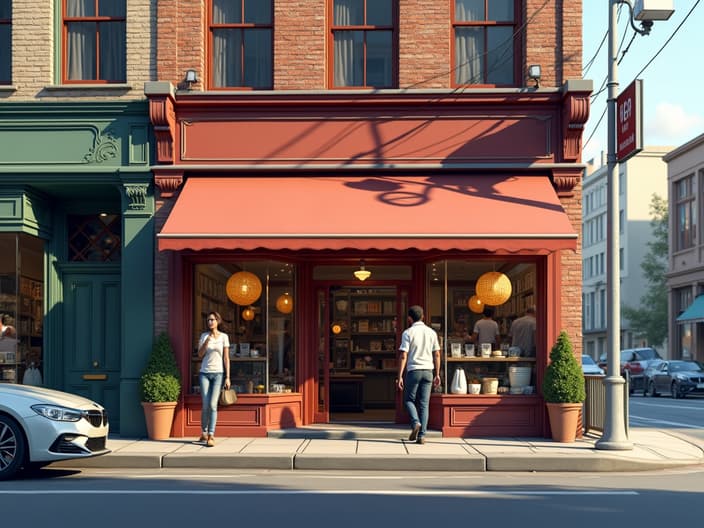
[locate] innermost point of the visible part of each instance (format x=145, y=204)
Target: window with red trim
x=94, y=43
x=241, y=44
x=5, y=42
x=485, y=41
x=364, y=43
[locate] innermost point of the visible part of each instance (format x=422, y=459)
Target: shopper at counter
x=419, y=354
x=214, y=351
x=522, y=333
x=486, y=330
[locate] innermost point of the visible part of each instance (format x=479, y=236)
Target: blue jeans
x=210, y=385
x=416, y=397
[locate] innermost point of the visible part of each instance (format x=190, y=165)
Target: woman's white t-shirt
x=212, y=362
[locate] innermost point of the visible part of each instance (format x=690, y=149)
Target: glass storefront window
x=261, y=333
x=453, y=312
x=21, y=309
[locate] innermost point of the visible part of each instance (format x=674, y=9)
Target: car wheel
x=651, y=387
x=12, y=447
x=675, y=391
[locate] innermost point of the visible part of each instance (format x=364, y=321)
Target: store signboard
x=629, y=120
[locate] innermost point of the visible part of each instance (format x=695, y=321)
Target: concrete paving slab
x=388, y=463
x=330, y=447
x=381, y=447
x=273, y=445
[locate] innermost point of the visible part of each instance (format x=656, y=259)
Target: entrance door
x=92, y=339
x=362, y=344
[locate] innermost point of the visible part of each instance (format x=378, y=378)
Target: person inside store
x=486, y=330
x=522, y=333
x=419, y=354
x=6, y=329
x=460, y=333
x=214, y=353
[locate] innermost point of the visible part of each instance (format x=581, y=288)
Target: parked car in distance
x=676, y=377
x=634, y=361
x=589, y=366
x=39, y=426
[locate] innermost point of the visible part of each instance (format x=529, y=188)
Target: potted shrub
x=161, y=387
x=563, y=390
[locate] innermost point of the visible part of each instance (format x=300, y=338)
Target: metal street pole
x=614, y=436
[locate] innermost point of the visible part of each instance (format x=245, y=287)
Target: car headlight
x=57, y=413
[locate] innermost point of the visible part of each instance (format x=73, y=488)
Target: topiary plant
x=564, y=380
x=161, y=380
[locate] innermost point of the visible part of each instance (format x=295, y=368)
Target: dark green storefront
x=77, y=249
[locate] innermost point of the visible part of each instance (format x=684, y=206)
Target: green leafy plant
x=161, y=380
x=564, y=380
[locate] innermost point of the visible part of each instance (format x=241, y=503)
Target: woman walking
x=214, y=353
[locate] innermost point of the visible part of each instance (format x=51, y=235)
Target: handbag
x=227, y=397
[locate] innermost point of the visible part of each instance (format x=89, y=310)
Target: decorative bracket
x=575, y=111
x=168, y=183
x=163, y=118
x=137, y=194
x=564, y=181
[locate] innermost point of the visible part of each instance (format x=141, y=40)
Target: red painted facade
x=301, y=129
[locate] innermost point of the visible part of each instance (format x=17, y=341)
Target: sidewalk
x=388, y=450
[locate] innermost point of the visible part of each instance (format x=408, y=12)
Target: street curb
x=577, y=464
x=235, y=461
x=389, y=463
x=136, y=461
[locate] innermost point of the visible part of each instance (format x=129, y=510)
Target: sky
x=673, y=106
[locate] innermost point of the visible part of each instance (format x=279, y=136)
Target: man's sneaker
x=210, y=442
x=421, y=440
x=414, y=432
x=203, y=437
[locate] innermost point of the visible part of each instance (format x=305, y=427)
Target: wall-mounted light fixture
x=534, y=74
x=191, y=78
x=362, y=273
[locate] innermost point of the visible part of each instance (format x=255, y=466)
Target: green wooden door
x=92, y=339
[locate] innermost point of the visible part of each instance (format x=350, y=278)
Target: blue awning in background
x=695, y=312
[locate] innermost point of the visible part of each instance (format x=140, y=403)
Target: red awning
x=512, y=213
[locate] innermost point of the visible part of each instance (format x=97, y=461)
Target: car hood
x=42, y=395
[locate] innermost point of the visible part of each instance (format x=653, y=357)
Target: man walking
x=419, y=354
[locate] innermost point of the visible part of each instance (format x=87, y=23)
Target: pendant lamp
x=243, y=288
x=284, y=303
x=248, y=314
x=475, y=304
x=362, y=273
x=493, y=288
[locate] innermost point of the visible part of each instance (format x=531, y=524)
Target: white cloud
x=671, y=125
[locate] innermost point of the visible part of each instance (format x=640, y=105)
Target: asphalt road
x=177, y=498
x=684, y=416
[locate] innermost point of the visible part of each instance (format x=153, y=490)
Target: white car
x=39, y=426
x=589, y=366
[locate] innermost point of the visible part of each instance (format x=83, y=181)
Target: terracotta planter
x=564, y=418
x=159, y=417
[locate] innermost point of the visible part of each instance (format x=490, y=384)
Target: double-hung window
x=485, y=42
x=685, y=213
x=241, y=44
x=5, y=41
x=363, y=43
x=94, y=41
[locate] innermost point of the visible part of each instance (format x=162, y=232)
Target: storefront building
x=76, y=202
x=279, y=188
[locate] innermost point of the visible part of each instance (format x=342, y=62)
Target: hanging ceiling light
x=493, y=288
x=475, y=304
x=284, y=303
x=243, y=288
x=248, y=313
x=362, y=273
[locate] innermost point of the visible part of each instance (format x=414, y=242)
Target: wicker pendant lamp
x=243, y=288
x=284, y=303
x=493, y=288
x=475, y=304
x=248, y=314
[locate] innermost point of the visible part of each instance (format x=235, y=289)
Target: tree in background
x=649, y=320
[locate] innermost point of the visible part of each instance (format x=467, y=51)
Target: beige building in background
x=685, y=279
x=640, y=177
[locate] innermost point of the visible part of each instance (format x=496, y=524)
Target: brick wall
x=571, y=263
x=161, y=268
x=35, y=46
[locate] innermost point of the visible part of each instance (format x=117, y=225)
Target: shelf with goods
x=501, y=368
x=522, y=297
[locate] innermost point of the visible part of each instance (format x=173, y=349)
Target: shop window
x=241, y=44
x=5, y=41
x=261, y=332
x=94, y=41
x=485, y=42
x=453, y=312
x=685, y=214
x=21, y=309
x=94, y=238
x=363, y=43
